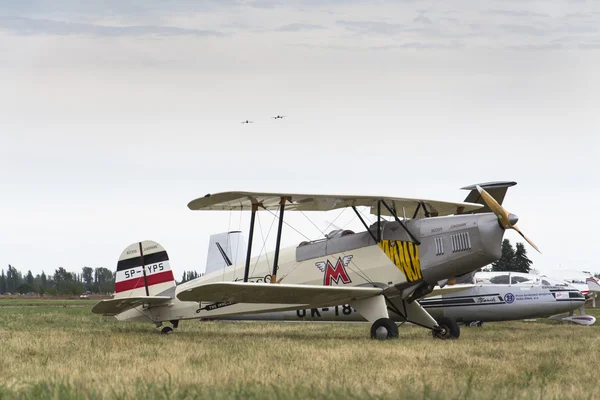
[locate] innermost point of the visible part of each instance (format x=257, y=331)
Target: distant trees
x=3, y=283
x=104, y=281
x=98, y=280
x=13, y=279
x=87, y=275
x=189, y=275
x=512, y=260
x=29, y=278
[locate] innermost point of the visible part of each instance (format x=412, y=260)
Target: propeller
x=506, y=219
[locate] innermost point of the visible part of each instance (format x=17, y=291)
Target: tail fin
x=225, y=249
x=496, y=189
x=143, y=270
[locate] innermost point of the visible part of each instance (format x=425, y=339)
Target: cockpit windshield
x=553, y=282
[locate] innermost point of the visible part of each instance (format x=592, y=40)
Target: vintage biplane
x=413, y=246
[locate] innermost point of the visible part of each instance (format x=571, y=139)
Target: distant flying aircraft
x=278, y=117
x=247, y=122
x=389, y=266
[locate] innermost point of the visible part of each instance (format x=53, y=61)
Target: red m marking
x=334, y=274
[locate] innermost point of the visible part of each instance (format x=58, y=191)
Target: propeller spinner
x=506, y=219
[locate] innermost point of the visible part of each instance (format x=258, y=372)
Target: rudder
x=143, y=270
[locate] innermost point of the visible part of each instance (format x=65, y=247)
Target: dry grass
x=70, y=353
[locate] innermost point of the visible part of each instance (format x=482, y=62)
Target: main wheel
x=447, y=329
x=166, y=330
x=384, y=328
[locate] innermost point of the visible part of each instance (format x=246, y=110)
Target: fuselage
x=449, y=246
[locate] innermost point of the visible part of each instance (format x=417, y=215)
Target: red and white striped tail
x=143, y=270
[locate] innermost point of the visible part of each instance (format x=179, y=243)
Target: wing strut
x=417, y=210
x=364, y=224
x=393, y=212
x=249, y=251
x=378, y=221
x=278, y=242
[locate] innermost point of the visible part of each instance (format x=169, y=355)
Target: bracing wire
x=264, y=244
x=335, y=219
x=296, y=230
x=360, y=272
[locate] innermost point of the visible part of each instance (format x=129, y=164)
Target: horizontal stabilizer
x=268, y=293
x=117, y=306
x=449, y=289
x=593, y=284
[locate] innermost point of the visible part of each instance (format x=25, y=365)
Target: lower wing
x=266, y=293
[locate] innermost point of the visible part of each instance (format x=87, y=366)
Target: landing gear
x=166, y=330
x=446, y=329
x=384, y=328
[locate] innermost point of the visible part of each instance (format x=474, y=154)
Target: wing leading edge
x=238, y=201
x=267, y=293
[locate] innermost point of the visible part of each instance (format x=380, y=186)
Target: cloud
x=515, y=13
x=590, y=46
x=420, y=46
x=299, y=27
x=29, y=26
x=523, y=29
x=536, y=47
x=422, y=19
x=372, y=27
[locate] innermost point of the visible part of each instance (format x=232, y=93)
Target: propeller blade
x=526, y=238
x=496, y=208
x=503, y=215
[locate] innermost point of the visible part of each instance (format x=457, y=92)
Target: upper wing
x=117, y=306
x=318, y=202
x=268, y=293
x=448, y=289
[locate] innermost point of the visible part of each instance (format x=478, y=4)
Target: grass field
x=51, y=352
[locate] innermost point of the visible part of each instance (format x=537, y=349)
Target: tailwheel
x=446, y=329
x=384, y=328
x=166, y=330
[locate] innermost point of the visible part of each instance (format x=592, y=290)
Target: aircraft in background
x=577, y=279
x=247, y=122
x=389, y=266
x=278, y=117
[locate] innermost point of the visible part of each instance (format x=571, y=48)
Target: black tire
x=448, y=329
x=390, y=327
x=166, y=330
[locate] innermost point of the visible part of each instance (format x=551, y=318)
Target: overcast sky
x=114, y=115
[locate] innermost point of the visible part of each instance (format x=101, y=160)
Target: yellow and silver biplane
x=387, y=267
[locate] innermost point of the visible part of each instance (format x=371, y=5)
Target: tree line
x=511, y=259
x=93, y=280
x=190, y=275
